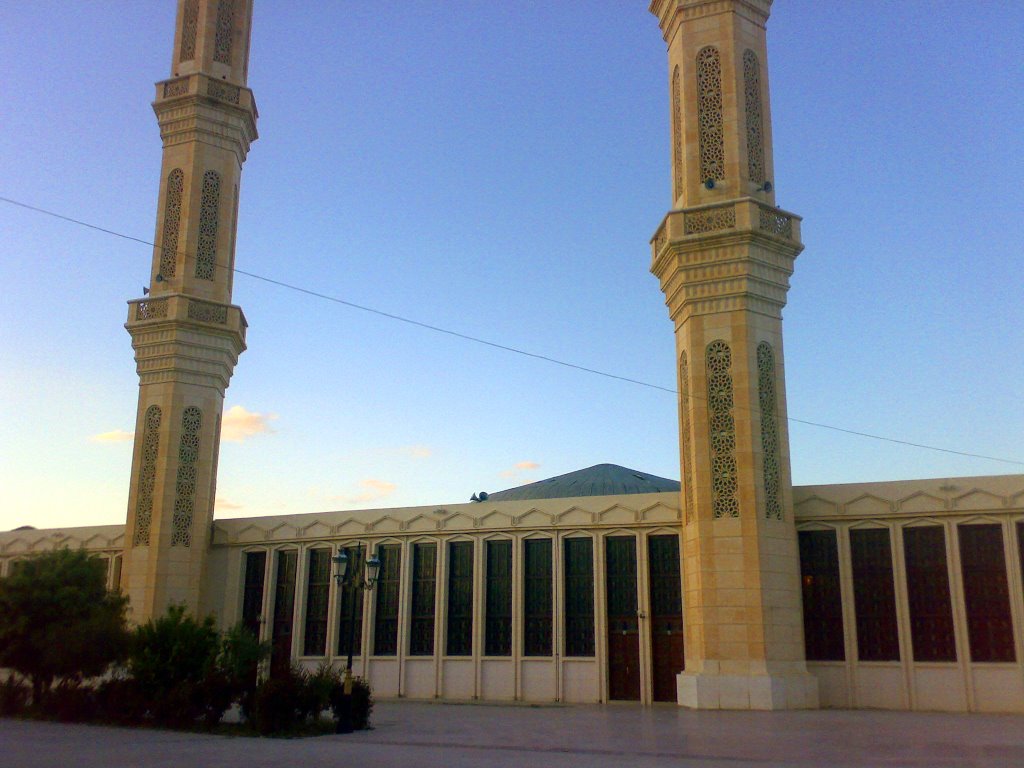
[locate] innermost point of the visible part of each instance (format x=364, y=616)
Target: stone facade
x=961, y=684
x=186, y=334
x=724, y=256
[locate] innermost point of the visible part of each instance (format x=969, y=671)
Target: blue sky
x=498, y=169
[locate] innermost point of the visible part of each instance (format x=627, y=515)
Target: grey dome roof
x=599, y=480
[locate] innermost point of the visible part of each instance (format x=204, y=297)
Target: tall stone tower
x=186, y=334
x=724, y=255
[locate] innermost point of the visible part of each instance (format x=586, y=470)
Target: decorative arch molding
x=816, y=505
x=868, y=504
x=618, y=514
x=349, y=526
x=921, y=501
x=977, y=498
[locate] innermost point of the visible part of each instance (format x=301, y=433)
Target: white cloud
x=114, y=436
x=240, y=424
x=519, y=468
x=223, y=504
x=419, y=451
x=372, y=490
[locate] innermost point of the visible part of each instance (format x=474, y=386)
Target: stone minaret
x=187, y=335
x=724, y=254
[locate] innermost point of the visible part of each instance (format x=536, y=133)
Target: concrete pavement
x=414, y=734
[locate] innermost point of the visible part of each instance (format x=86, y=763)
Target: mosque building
x=730, y=590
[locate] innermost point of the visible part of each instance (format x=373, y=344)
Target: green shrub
x=70, y=702
x=276, y=703
x=118, y=700
x=13, y=697
x=239, y=660
x=170, y=660
x=317, y=688
x=361, y=703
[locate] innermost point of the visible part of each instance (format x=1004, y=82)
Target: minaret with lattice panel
x=724, y=255
x=186, y=334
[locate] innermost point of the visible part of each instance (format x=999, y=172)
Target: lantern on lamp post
x=350, y=579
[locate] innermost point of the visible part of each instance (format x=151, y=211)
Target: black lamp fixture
x=353, y=581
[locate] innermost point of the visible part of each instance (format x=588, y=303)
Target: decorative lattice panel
x=185, y=487
x=724, y=501
x=769, y=430
x=755, y=122
x=776, y=223
x=206, y=253
x=206, y=312
x=155, y=309
x=686, y=443
x=224, y=91
x=677, y=133
x=710, y=220
x=189, y=28
x=177, y=87
x=709, y=114
x=225, y=24
x=147, y=476
x=172, y=223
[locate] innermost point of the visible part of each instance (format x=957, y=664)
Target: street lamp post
x=353, y=581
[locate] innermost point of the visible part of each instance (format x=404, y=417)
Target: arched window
x=185, y=486
x=677, y=134
x=709, y=114
x=685, y=435
x=225, y=25
x=206, y=253
x=147, y=476
x=172, y=223
x=189, y=28
x=724, y=501
x=752, y=101
x=769, y=430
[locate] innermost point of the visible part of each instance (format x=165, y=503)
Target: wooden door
x=666, y=615
x=623, y=625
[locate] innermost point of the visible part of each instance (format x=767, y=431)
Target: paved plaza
x=414, y=734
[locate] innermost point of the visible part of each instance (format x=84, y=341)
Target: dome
x=599, y=480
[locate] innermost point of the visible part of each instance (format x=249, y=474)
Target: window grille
x=460, y=599
x=385, y=625
x=579, y=597
x=537, y=610
x=424, y=586
x=498, y=618
x=931, y=614
x=874, y=595
x=823, y=605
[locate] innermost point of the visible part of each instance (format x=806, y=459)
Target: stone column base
x=702, y=691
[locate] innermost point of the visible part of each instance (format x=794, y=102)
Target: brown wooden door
x=666, y=615
x=623, y=625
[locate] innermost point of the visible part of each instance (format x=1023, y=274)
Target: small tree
x=241, y=654
x=59, y=620
x=171, y=660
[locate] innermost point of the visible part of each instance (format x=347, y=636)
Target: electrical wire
x=495, y=345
